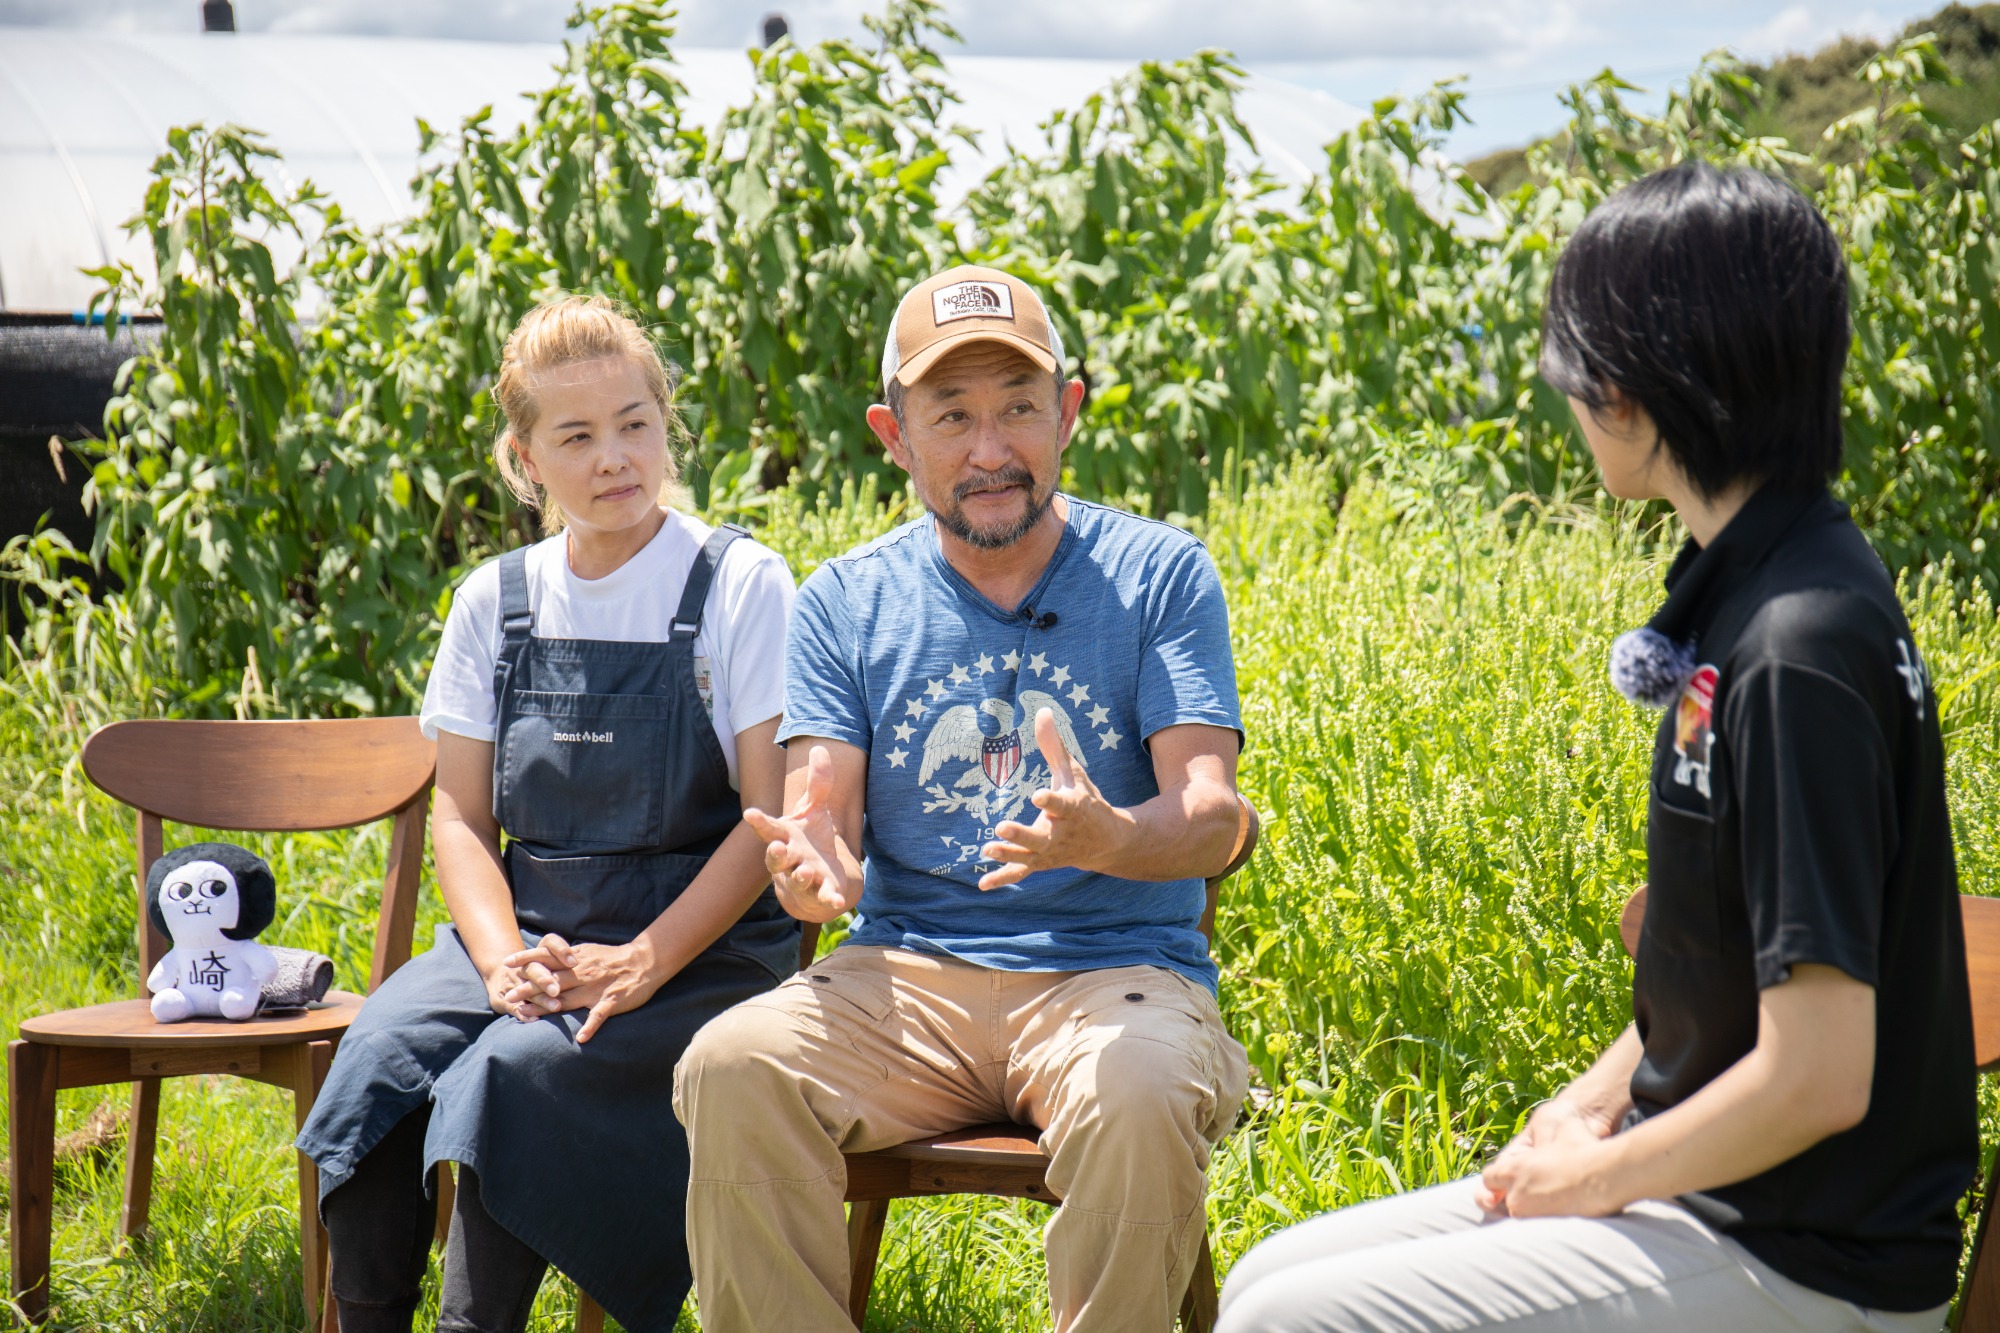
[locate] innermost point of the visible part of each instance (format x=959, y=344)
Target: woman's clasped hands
x=554, y=976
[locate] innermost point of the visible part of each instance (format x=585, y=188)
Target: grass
x=1424, y=948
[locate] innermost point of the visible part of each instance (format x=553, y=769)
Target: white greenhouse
x=83, y=114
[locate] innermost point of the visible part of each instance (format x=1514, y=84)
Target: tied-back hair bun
x=1649, y=668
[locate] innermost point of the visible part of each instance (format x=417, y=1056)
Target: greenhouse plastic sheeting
x=83, y=115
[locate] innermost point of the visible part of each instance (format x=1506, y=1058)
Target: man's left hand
x=1078, y=828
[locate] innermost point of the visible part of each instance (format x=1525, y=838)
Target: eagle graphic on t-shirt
x=998, y=759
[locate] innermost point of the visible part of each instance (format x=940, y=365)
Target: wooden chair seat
x=982, y=1159
x=130, y=1023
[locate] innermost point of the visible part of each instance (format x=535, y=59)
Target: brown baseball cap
x=964, y=305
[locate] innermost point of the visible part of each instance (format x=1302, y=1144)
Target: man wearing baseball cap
x=1012, y=728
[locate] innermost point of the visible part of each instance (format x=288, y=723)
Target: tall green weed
x=1424, y=946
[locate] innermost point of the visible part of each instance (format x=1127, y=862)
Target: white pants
x=1428, y=1262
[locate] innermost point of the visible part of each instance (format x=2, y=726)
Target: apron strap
x=516, y=620
x=694, y=596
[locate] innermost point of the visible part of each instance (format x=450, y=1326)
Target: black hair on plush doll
x=211, y=899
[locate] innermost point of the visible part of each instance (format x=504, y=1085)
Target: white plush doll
x=211, y=899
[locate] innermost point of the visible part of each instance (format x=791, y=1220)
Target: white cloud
x=1293, y=31
x=1253, y=29
x=1803, y=28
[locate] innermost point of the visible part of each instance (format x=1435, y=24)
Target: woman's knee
x=1277, y=1301
x=1268, y=1256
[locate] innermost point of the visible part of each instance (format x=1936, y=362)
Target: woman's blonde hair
x=558, y=333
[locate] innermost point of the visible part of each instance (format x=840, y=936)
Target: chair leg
x=589, y=1314
x=1199, y=1305
x=140, y=1135
x=31, y=1182
x=865, y=1219
x=1979, y=1300
x=447, y=1197
x=308, y=1073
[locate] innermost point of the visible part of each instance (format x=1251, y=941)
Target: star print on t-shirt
x=981, y=758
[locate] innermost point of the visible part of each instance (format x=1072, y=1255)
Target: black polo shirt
x=1798, y=816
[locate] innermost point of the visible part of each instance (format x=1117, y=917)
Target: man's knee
x=1139, y=1085
x=1135, y=1105
x=744, y=1056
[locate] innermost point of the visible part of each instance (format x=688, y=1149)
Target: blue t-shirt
x=892, y=650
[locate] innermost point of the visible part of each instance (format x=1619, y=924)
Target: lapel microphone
x=1044, y=620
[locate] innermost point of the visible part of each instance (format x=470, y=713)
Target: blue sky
x=1517, y=54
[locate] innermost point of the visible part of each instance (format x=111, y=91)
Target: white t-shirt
x=739, y=656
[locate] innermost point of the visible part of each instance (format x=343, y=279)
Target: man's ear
x=883, y=422
x=1070, y=408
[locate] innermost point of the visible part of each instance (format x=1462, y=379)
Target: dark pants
x=379, y=1224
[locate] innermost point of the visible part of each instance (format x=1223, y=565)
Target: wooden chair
x=1003, y=1160
x=1978, y=1308
x=274, y=777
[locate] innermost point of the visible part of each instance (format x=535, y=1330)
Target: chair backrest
x=1248, y=825
x=275, y=777
x=1982, y=967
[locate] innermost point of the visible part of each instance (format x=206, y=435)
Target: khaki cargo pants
x=1127, y=1071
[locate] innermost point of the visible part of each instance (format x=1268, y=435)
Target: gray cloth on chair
x=303, y=978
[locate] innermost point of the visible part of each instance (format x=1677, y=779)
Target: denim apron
x=613, y=791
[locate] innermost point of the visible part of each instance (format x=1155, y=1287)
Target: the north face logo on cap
x=971, y=300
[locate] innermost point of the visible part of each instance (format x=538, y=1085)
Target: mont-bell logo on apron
x=971, y=300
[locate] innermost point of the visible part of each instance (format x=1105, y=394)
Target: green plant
x=1423, y=948
x=823, y=215
x=1913, y=203
x=292, y=483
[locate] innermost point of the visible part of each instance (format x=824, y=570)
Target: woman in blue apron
x=604, y=704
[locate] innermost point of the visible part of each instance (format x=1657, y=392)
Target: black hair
x=256, y=886
x=1716, y=300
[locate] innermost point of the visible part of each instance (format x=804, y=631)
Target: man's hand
x=1078, y=828
x=803, y=852
x=606, y=979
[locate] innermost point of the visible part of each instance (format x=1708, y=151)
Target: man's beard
x=998, y=536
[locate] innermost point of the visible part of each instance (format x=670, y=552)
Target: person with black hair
x=1781, y=1138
